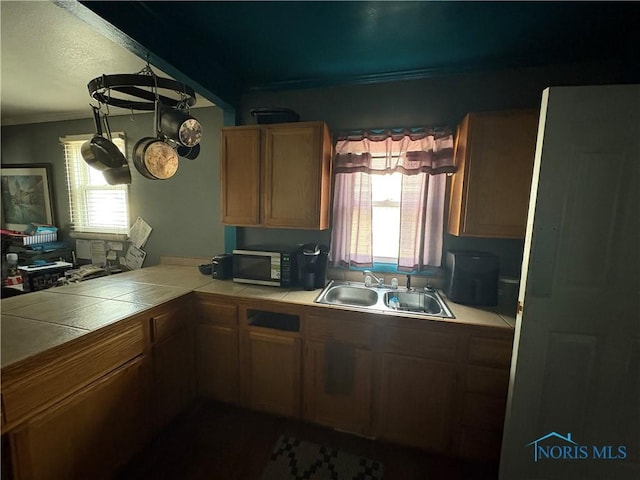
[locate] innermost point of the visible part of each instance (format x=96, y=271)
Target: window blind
x=94, y=205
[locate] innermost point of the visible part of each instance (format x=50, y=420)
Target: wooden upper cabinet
x=277, y=175
x=494, y=159
x=240, y=175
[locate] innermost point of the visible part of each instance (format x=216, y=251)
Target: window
x=389, y=197
x=386, y=193
x=95, y=206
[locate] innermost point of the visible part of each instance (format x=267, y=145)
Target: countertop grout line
x=191, y=284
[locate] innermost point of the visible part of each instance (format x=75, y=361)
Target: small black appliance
x=472, y=278
x=312, y=265
x=222, y=266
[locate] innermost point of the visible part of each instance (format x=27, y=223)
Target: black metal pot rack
x=118, y=90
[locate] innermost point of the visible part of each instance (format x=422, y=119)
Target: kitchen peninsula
x=91, y=371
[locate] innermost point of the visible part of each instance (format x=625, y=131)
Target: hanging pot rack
x=173, y=126
x=128, y=91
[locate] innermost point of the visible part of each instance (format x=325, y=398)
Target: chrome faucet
x=379, y=280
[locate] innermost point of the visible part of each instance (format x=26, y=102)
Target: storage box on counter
x=39, y=277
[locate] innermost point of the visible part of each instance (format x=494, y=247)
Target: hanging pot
x=180, y=127
x=116, y=176
x=189, y=153
x=155, y=159
x=99, y=152
x=152, y=157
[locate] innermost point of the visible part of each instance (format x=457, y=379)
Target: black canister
x=222, y=266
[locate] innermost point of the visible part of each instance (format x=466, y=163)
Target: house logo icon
x=539, y=449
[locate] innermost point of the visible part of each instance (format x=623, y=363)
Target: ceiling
x=48, y=57
x=225, y=49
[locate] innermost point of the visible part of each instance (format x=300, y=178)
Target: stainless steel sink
x=351, y=295
x=384, y=299
x=414, y=302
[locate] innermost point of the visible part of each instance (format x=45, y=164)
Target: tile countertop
x=38, y=321
x=464, y=314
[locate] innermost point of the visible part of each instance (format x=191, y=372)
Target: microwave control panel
x=285, y=274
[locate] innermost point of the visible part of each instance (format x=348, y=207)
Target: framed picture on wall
x=26, y=195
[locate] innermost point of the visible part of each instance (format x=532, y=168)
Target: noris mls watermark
x=554, y=446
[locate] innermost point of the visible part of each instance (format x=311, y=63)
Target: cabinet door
x=270, y=373
x=330, y=398
x=240, y=176
x=173, y=376
x=90, y=435
x=416, y=401
x=494, y=160
x=217, y=362
x=295, y=193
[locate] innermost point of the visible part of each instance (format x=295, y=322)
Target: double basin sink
x=384, y=299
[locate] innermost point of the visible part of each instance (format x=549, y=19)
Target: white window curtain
x=94, y=205
x=424, y=156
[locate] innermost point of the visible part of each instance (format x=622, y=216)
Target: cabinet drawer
x=406, y=341
x=168, y=323
x=217, y=313
x=66, y=375
x=324, y=329
x=483, y=412
x=490, y=351
x=489, y=381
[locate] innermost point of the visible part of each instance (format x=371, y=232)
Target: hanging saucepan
x=189, y=153
x=99, y=152
x=179, y=126
x=120, y=175
x=154, y=158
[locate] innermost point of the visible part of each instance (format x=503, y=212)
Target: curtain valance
x=407, y=150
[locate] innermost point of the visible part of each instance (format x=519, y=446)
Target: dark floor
x=217, y=441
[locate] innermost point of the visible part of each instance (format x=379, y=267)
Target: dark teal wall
x=432, y=101
x=183, y=210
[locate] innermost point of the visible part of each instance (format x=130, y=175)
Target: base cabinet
x=217, y=351
x=217, y=348
x=484, y=396
x=90, y=435
x=337, y=390
x=416, y=401
x=173, y=362
x=173, y=376
x=433, y=385
x=271, y=373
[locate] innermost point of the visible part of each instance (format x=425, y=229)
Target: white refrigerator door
x=573, y=409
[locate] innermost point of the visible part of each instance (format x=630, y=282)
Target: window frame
x=77, y=175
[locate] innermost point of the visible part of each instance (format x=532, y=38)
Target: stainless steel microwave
x=265, y=265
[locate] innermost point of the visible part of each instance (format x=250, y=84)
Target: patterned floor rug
x=294, y=459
